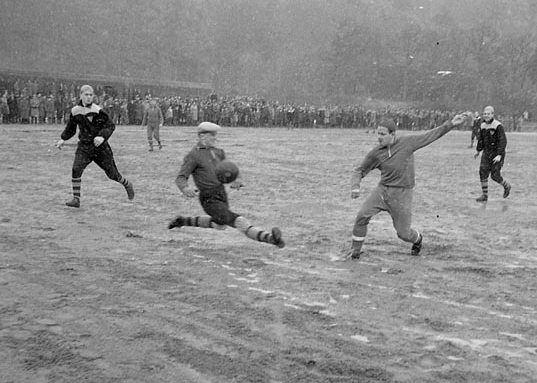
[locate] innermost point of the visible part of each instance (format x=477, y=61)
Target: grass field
x=106, y=293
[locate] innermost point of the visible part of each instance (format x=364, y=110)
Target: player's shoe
x=353, y=254
x=177, y=222
x=416, y=248
x=130, y=191
x=277, y=238
x=159, y=146
x=75, y=202
x=483, y=198
x=506, y=190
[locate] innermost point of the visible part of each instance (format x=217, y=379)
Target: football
x=226, y=172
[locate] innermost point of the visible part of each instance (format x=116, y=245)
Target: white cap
x=208, y=127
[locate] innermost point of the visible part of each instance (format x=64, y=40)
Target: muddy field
x=106, y=293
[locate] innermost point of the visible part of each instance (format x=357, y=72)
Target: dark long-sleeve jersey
x=201, y=163
x=396, y=161
x=91, y=121
x=492, y=139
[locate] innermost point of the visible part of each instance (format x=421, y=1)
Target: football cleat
x=416, y=248
x=483, y=198
x=506, y=191
x=277, y=238
x=353, y=254
x=130, y=191
x=177, y=222
x=75, y=202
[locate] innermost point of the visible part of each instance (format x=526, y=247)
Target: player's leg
x=81, y=161
x=156, y=134
x=484, y=172
x=150, y=137
x=217, y=207
x=104, y=158
x=373, y=204
x=496, y=175
x=242, y=224
x=400, y=209
x=210, y=203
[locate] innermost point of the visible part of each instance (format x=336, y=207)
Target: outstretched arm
x=431, y=136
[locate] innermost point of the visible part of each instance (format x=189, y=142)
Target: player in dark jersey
x=95, y=128
x=201, y=163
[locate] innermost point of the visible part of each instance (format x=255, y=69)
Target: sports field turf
x=106, y=293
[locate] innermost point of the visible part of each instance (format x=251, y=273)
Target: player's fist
x=458, y=119
x=60, y=143
x=189, y=193
x=496, y=159
x=97, y=141
x=355, y=193
x=476, y=155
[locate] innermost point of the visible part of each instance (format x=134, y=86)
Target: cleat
x=177, y=222
x=75, y=202
x=416, y=248
x=506, y=191
x=159, y=146
x=353, y=254
x=130, y=191
x=150, y=149
x=277, y=238
x=483, y=198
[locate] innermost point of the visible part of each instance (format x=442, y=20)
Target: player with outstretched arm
x=394, y=157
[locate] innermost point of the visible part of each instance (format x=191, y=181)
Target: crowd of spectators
x=50, y=102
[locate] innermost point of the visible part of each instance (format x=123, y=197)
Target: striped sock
x=485, y=188
x=76, y=187
x=357, y=243
x=123, y=181
x=252, y=232
x=505, y=184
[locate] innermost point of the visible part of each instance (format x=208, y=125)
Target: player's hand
x=59, y=144
x=355, y=193
x=496, y=159
x=458, y=119
x=189, y=193
x=236, y=185
x=476, y=155
x=97, y=141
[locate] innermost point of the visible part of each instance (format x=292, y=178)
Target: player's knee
x=497, y=178
x=76, y=172
x=113, y=175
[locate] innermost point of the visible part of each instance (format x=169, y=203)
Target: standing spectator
x=4, y=108
x=50, y=110
x=154, y=120
x=24, y=109
x=12, y=104
x=42, y=103
x=476, y=125
x=34, y=109
x=492, y=142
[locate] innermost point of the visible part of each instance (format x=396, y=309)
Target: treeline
x=433, y=53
